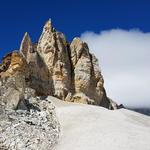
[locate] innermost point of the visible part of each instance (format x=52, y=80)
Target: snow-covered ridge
x=86, y=127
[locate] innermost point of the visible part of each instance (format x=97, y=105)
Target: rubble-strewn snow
x=86, y=127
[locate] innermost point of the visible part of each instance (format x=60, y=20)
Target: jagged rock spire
x=48, y=26
x=78, y=47
x=26, y=45
x=52, y=48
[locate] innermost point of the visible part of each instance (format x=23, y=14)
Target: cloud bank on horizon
x=124, y=58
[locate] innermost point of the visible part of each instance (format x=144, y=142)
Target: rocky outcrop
x=52, y=47
x=37, y=75
x=12, y=64
x=52, y=66
x=87, y=76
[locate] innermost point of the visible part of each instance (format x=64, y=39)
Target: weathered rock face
x=54, y=67
x=12, y=91
x=87, y=76
x=12, y=64
x=52, y=47
x=37, y=76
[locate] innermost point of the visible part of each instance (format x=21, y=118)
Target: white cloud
x=124, y=58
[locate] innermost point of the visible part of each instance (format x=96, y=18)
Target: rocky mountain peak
x=54, y=67
x=78, y=49
x=26, y=45
x=48, y=26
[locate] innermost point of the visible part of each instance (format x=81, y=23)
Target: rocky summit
x=53, y=66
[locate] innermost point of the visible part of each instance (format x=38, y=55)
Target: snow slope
x=86, y=127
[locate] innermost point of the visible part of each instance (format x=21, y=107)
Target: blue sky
x=117, y=31
x=72, y=17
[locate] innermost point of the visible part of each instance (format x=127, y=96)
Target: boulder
x=12, y=91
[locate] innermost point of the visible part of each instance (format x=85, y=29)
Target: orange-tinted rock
x=13, y=63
